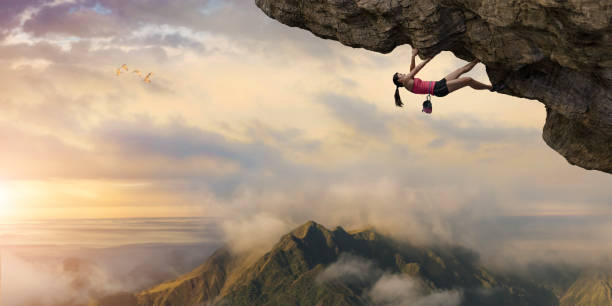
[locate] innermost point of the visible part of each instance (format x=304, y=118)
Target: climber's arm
x=418, y=68
x=414, y=54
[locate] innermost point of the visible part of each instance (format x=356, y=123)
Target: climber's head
x=398, y=84
x=397, y=79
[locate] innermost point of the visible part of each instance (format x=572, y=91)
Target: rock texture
x=556, y=51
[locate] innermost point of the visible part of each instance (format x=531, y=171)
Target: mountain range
x=313, y=265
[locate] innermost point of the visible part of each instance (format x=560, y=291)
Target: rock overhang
x=558, y=52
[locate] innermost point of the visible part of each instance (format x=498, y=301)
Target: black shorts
x=440, y=88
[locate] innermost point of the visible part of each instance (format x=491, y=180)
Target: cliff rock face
x=556, y=51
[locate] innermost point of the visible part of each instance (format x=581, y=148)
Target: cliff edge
x=558, y=52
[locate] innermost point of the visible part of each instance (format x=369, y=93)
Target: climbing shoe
x=497, y=88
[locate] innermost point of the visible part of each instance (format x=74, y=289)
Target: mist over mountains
x=69, y=262
x=313, y=265
x=72, y=276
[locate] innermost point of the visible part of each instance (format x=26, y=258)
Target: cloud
x=93, y=18
x=73, y=276
x=142, y=143
x=73, y=20
x=175, y=40
x=365, y=118
x=268, y=230
x=42, y=283
x=472, y=133
x=476, y=217
x=12, y=10
x=385, y=288
x=177, y=140
x=196, y=26
x=362, y=116
x=399, y=290
x=350, y=269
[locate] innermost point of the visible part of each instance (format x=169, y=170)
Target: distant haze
x=121, y=255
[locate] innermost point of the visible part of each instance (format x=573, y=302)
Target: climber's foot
x=497, y=88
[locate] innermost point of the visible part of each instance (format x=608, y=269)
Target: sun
x=4, y=200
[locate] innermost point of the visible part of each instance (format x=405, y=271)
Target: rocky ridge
x=558, y=52
x=289, y=274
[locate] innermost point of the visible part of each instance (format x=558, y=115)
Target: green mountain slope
x=290, y=274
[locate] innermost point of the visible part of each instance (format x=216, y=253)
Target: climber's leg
x=466, y=81
x=457, y=73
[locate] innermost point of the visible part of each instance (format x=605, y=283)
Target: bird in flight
x=124, y=66
x=148, y=77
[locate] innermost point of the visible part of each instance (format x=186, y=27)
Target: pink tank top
x=423, y=87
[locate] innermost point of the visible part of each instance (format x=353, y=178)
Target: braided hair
x=398, y=84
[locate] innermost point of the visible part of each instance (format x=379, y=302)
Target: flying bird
x=124, y=66
x=148, y=77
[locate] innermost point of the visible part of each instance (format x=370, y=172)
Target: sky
x=266, y=127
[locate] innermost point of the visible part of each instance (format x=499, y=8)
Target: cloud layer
x=73, y=276
x=385, y=289
x=268, y=127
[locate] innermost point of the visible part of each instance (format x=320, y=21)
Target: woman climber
x=440, y=88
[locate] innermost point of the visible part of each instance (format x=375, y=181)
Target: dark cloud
x=102, y=18
x=473, y=133
x=93, y=18
x=179, y=141
x=437, y=143
x=71, y=19
x=239, y=21
x=362, y=116
x=11, y=10
x=287, y=138
x=365, y=118
x=147, y=150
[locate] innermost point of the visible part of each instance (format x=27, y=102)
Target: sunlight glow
x=4, y=201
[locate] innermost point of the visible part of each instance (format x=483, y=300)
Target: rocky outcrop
x=558, y=52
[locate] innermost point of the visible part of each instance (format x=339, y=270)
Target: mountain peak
x=308, y=228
